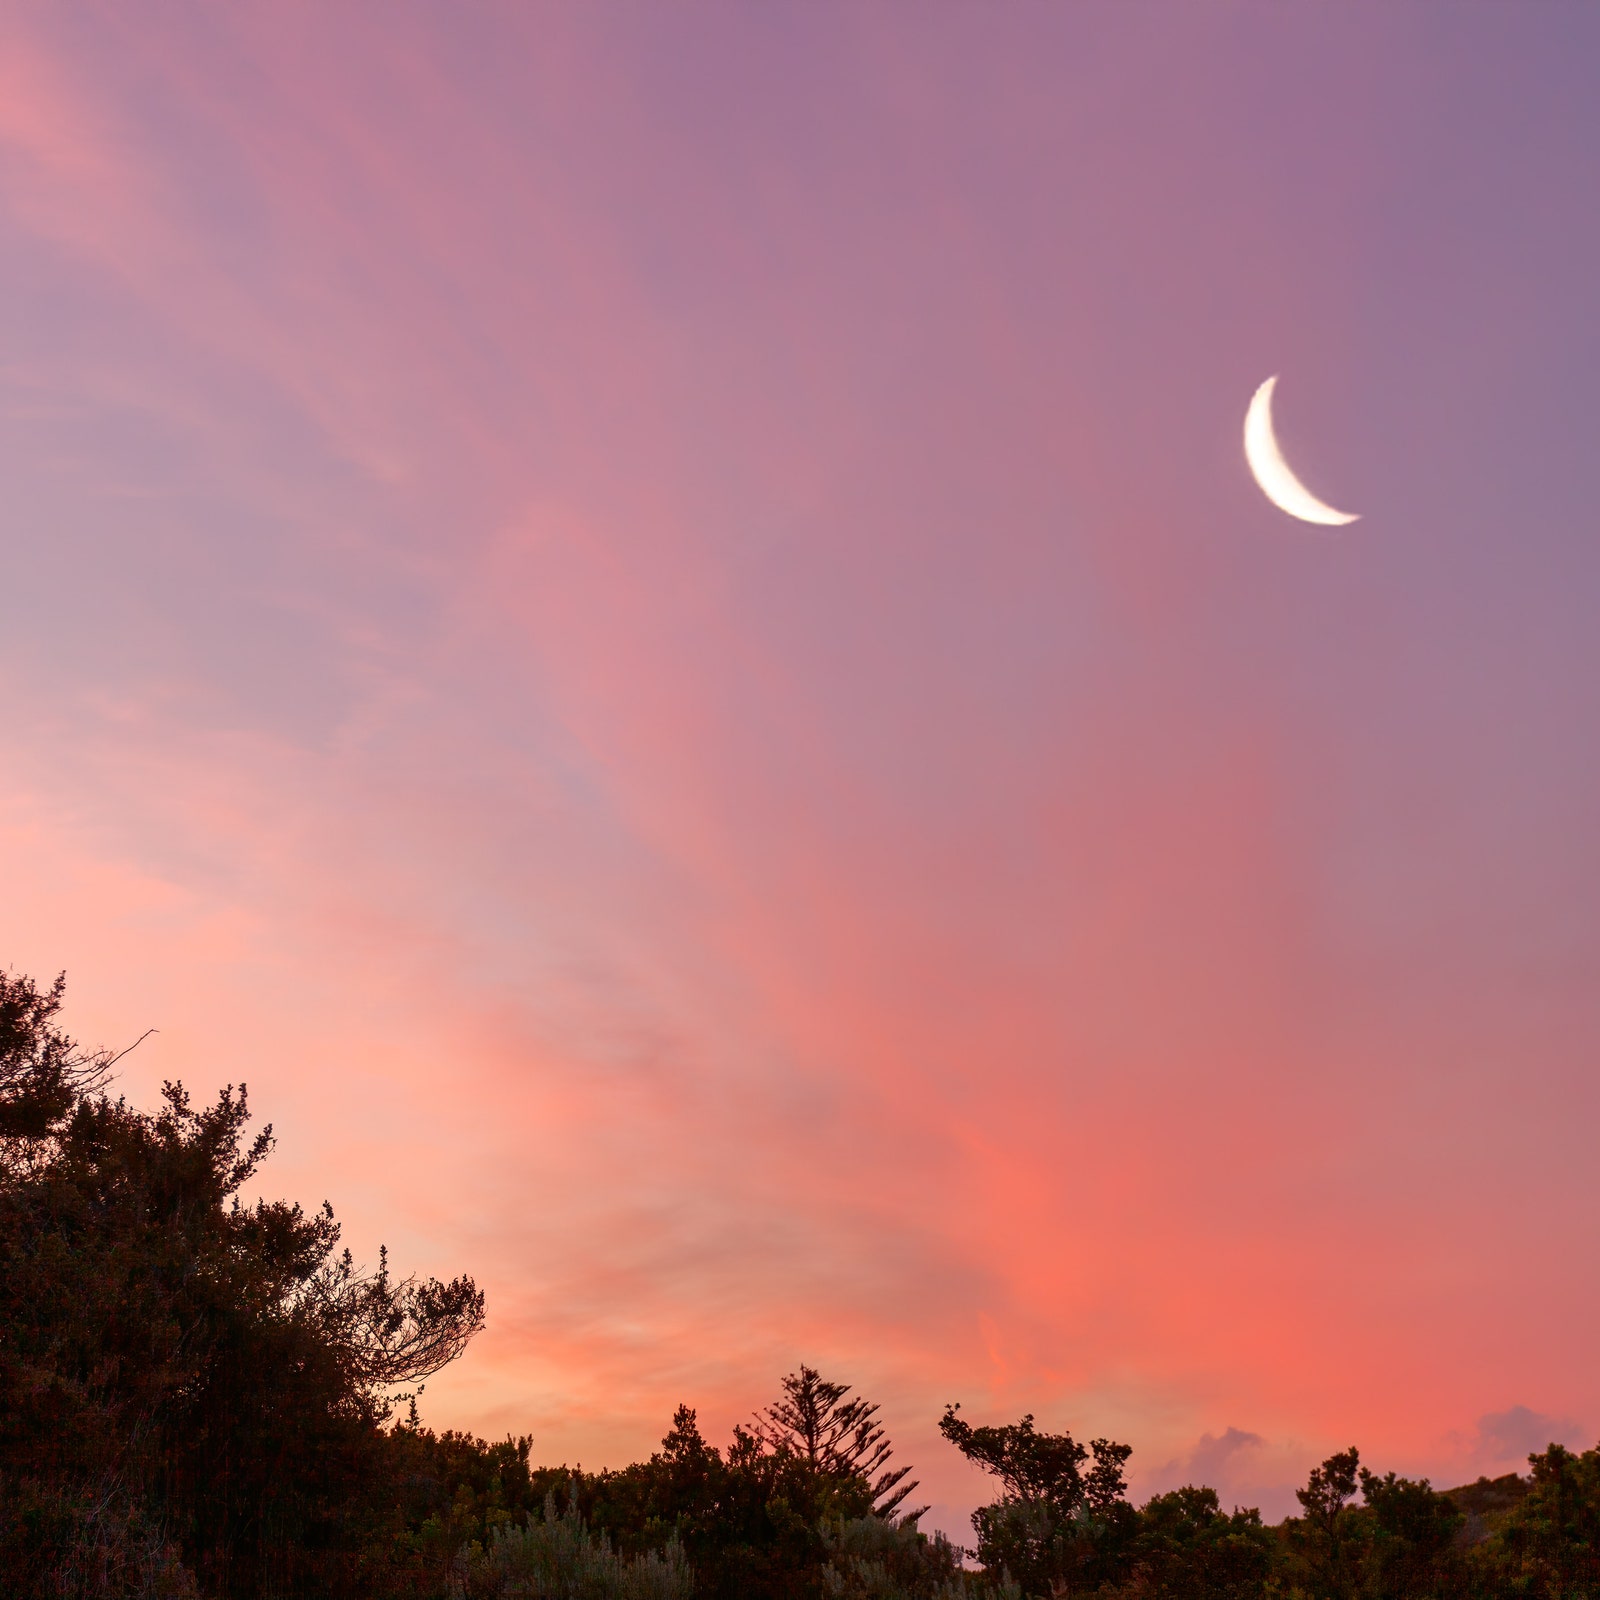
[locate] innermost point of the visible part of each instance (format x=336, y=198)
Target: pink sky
x=651, y=620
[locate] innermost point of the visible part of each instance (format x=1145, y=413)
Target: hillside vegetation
x=201, y=1398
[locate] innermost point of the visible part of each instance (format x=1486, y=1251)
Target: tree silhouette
x=1325, y=1533
x=42, y=1071
x=815, y=1420
x=187, y=1383
x=1055, y=1529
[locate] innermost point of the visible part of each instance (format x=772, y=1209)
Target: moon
x=1271, y=471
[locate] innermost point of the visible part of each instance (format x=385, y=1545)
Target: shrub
x=557, y=1557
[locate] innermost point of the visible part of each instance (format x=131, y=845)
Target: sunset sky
x=651, y=620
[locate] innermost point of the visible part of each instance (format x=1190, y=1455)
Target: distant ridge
x=1487, y=1503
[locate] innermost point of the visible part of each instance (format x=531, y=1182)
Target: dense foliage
x=191, y=1389
x=198, y=1399
x=1065, y=1531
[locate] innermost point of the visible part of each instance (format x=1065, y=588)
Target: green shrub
x=878, y=1558
x=557, y=1558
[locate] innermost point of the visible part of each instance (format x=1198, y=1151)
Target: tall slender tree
x=816, y=1420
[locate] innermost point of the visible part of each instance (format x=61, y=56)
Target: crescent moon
x=1271, y=471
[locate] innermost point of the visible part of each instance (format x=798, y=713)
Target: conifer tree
x=816, y=1420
